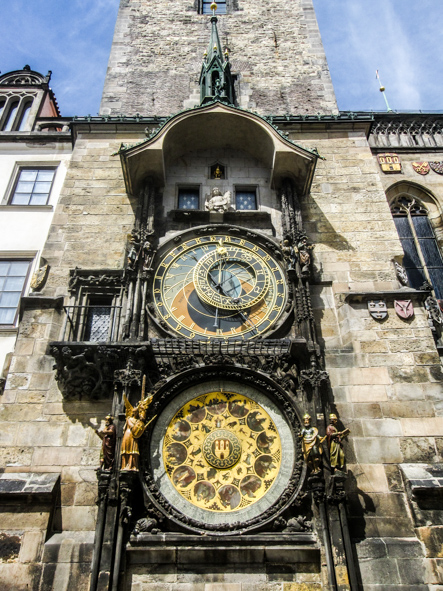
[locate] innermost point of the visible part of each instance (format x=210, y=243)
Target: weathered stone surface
x=418, y=449
x=27, y=483
x=274, y=80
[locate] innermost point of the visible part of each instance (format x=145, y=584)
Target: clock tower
x=239, y=359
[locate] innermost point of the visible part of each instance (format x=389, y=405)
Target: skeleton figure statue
x=335, y=437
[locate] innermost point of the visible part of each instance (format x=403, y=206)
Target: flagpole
x=382, y=90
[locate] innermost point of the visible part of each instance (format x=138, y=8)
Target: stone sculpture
x=311, y=445
x=218, y=202
x=134, y=428
x=336, y=454
x=108, y=437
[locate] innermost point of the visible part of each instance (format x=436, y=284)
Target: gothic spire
x=215, y=77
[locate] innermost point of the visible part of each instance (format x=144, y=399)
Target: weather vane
x=382, y=90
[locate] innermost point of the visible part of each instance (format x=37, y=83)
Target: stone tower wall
x=158, y=46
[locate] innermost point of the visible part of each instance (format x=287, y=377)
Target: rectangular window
x=33, y=186
x=188, y=198
x=206, y=7
x=13, y=274
x=98, y=320
x=246, y=199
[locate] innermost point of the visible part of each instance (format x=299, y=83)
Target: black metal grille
x=91, y=323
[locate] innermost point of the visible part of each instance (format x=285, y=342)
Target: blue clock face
x=219, y=287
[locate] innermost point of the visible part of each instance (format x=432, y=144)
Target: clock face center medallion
x=222, y=449
x=222, y=452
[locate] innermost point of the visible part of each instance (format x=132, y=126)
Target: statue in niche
x=304, y=255
x=134, y=249
x=336, y=454
x=108, y=437
x=148, y=252
x=311, y=445
x=134, y=428
x=288, y=253
x=218, y=172
x=217, y=201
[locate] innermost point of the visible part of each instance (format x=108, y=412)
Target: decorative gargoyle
x=297, y=524
x=146, y=525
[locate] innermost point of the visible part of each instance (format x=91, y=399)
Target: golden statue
x=311, y=445
x=217, y=173
x=335, y=437
x=135, y=426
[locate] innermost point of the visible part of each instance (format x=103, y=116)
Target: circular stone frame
x=255, y=385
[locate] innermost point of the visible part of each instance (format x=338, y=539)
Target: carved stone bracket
x=88, y=371
x=313, y=377
x=337, y=492
x=97, y=278
x=281, y=368
x=104, y=479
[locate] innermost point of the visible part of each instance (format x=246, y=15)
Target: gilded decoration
x=222, y=451
x=389, y=163
x=219, y=286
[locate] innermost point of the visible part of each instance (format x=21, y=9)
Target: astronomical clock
x=223, y=453
x=219, y=285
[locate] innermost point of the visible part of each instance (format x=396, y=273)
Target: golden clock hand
x=239, y=312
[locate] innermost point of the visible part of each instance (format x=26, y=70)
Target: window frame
x=196, y=188
x=15, y=179
x=409, y=207
x=202, y=3
x=247, y=189
x=18, y=259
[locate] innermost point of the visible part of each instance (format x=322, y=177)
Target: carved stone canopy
x=217, y=126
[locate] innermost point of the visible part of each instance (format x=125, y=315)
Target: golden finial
x=213, y=6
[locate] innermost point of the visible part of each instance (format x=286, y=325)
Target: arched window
x=422, y=260
x=26, y=109
x=2, y=105
x=9, y=121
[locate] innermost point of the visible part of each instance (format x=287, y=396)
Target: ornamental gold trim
x=222, y=451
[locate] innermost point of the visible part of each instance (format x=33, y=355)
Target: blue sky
x=399, y=37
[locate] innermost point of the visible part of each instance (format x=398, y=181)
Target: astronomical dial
x=222, y=452
x=219, y=287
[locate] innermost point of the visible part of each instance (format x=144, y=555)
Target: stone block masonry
x=156, y=56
